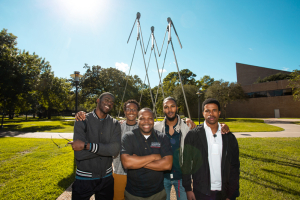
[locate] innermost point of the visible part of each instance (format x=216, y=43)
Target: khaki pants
x=158, y=196
x=119, y=187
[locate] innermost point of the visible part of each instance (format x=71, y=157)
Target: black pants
x=215, y=195
x=102, y=188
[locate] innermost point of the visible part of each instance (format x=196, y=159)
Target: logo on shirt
x=155, y=145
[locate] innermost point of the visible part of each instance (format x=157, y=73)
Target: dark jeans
x=215, y=195
x=102, y=188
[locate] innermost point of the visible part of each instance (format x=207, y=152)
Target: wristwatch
x=85, y=144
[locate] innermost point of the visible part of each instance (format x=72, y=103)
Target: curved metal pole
x=148, y=82
x=187, y=107
x=127, y=78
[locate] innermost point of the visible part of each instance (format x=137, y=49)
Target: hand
x=80, y=116
x=122, y=121
x=190, y=195
x=156, y=156
x=224, y=129
x=77, y=145
x=190, y=123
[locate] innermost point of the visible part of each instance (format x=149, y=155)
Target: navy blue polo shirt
x=175, y=173
x=145, y=182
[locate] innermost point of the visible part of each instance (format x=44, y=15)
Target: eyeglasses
x=57, y=144
x=128, y=110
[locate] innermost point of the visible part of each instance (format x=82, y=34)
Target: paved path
x=290, y=130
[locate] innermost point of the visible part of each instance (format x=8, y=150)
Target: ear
x=219, y=113
x=98, y=100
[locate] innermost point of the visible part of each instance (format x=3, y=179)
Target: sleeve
x=113, y=147
x=79, y=134
x=126, y=144
x=166, y=149
x=234, y=168
x=187, y=165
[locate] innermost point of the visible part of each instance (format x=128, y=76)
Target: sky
x=215, y=34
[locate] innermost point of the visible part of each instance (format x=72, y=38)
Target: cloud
x=163, y=71
x=250, y=49
x=122, y=66
x=285, y=69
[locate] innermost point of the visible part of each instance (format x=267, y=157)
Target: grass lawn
x=34, y=168
x=270, y=168
x=37, y=169
x=296, y=123
x=65, y=125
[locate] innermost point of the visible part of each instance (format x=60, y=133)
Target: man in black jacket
x=211, y=159
x=96, y=140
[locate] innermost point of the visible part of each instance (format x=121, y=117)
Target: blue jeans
x=180, y=191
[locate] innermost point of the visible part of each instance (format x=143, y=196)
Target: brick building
x=266, y=100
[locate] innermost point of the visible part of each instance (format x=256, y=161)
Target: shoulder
x=128, y=135
x=158, y=124
x=159, y=134
x=231, y=137
x=112, y=120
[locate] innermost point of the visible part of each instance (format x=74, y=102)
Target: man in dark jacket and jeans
x=210, y=159
x=96, y=140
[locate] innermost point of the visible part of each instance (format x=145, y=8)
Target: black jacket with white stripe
x=105, y=138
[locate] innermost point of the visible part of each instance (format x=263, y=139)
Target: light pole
x=76, y=77
x=199, y=93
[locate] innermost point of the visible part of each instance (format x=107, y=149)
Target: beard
x=171, y=118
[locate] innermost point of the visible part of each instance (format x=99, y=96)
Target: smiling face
x=105, y=104
x=211, y=113
x=170, y=109
x=146, y=121
x=131, y=113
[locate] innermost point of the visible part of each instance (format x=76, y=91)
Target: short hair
x=170, y=98
x=131, y=101
x=211, y=100
x=106, y=93
x=148, y=109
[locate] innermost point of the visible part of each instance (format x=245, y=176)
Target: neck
x=146, y=133
x=214, y=127
x=130, y=122
x=100, y=114
x=172, y=123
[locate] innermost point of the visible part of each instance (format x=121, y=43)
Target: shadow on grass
x=66, y=182
x=278, y=187
x=282, y=174
x=13, y=130
x=269, y=160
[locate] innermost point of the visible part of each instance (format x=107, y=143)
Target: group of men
x=142, y=160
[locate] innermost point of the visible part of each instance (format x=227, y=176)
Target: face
x=105, y=104
x=146, y=122
x=211, y=113
x=131, y=112
x=170, y=109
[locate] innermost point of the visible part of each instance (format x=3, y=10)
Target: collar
x=95, y=115
x=177, y=127
x=205, y=126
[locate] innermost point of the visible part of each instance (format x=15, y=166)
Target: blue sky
x=215, y=34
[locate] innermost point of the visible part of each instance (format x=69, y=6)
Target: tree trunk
x=49, y=113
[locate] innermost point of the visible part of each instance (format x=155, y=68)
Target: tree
x=191, y=96
x=225, y=93
x=274, y=77
x=294, y=83
x=205, y=82
x=19, y=71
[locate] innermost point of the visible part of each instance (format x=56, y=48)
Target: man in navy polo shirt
x=146, y=153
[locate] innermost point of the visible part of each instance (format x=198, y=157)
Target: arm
x=113, y=147
x=190, y=195
x=234, y=168
x=161, y=165
x=187, y=166
x=137, y=162
x=80, y=116
x=224, y=128
x=190, y=123
x=79, y=138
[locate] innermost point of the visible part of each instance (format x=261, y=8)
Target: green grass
x=34, y=168
x=37, y=169
x=61, y=125
x=270, y=168
x=296, y=123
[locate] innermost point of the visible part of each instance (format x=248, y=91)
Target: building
x=266, y=100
